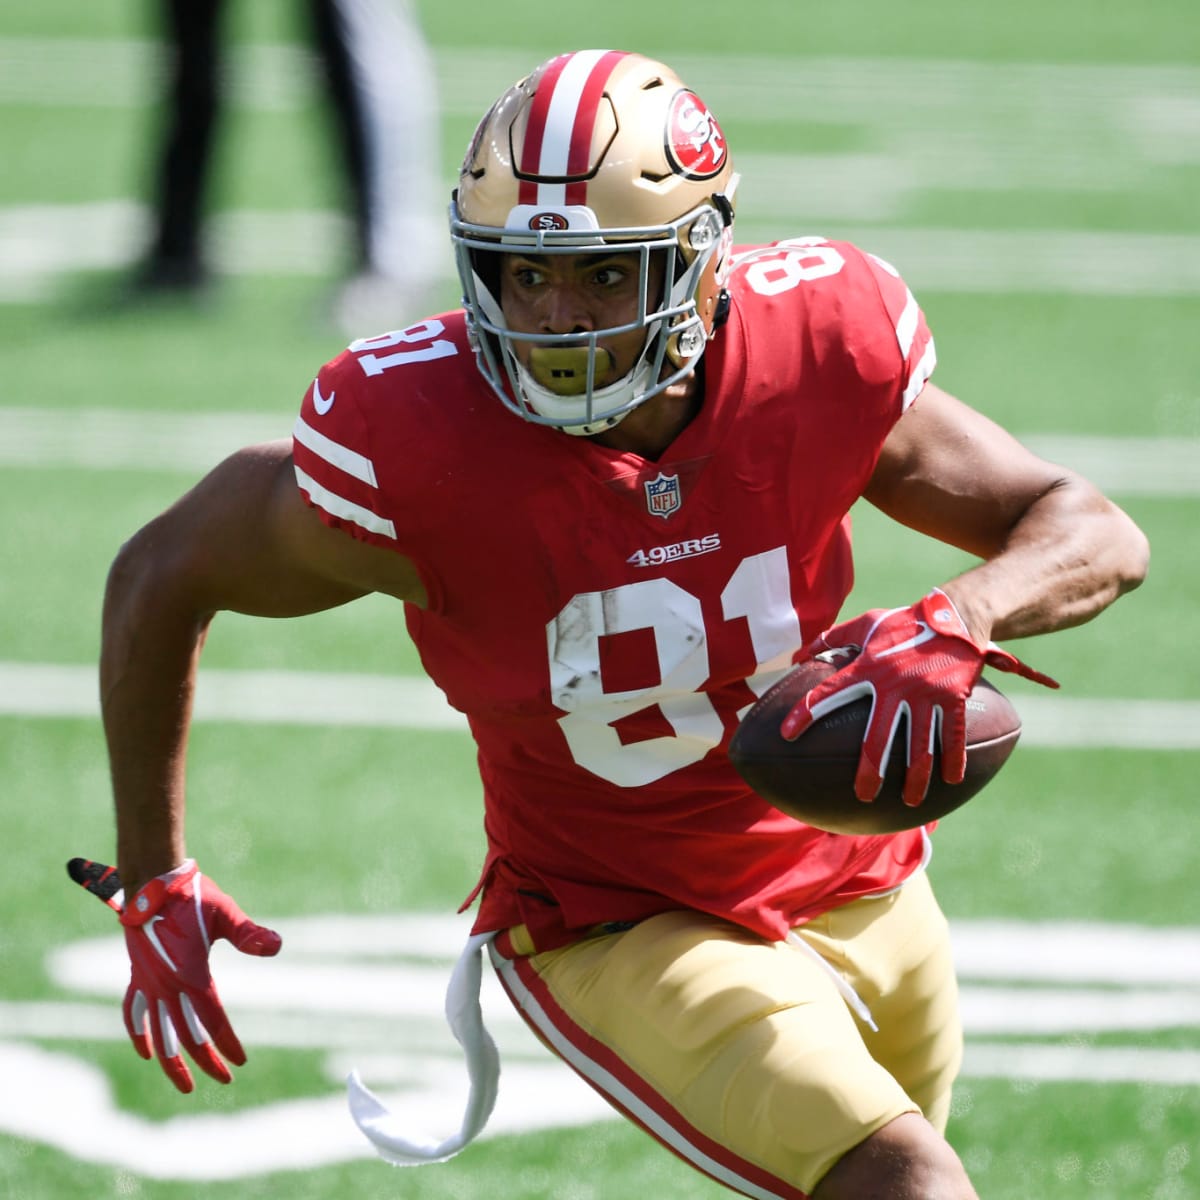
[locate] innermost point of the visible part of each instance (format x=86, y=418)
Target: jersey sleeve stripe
x=334, y=453
x=343, y=509
x=920, y=375
x=906, y=327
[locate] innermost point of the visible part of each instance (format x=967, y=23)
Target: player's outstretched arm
x=244, y=540
x=1055, y=551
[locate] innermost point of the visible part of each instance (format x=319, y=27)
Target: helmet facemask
x=559, y=386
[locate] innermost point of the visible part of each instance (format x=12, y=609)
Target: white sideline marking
x=106, y=439
x=413, y=702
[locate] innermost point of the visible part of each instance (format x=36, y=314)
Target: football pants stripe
x=624, y=1088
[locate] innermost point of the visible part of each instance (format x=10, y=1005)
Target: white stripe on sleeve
x=346, y=510
x=906, y=327
x=920, y=374
x=335, y=453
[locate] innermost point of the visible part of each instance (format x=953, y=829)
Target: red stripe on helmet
x=535, y=130
x=582, y=127
x=579, y=156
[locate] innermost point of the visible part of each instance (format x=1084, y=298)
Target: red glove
x=919, y=663
x=170, y=926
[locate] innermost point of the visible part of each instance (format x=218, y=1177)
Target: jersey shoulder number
x=337, y=461
x=855, y=305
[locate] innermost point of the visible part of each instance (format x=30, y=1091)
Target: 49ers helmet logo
x=548, y=221
x=694, y=142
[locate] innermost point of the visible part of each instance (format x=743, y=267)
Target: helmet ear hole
x=486, y=265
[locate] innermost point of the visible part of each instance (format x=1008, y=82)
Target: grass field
x=1032, y=169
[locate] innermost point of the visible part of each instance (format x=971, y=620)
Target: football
x=812, y=778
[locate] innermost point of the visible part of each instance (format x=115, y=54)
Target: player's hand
x=919, y=663
x=172, y=1002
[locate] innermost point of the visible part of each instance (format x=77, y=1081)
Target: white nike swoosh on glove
x=152, y=938
x=925, y=635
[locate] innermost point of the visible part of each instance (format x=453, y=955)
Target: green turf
x=1054, y=832
x=1017, y=1140
x=1124, y=654
x=303, y=821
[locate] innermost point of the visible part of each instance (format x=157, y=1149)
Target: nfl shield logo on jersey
x=662, y=494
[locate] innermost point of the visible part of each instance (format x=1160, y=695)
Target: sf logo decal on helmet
x=549, y=220
x=694, y=142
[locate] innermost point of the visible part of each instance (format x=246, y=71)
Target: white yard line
x=1031, y=1062
x=1081, y=98
x=913, y=127
x=256, y=697
x=366, y=992
x=104, y=439
x=413, y=702
x=75, y=1021
x=40, y=243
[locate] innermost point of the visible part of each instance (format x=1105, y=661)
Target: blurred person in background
x=379, y=77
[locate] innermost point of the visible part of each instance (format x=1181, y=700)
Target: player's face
x=578, y=293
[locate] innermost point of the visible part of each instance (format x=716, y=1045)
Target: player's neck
x=653, y=426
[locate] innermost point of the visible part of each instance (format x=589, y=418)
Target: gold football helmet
x=596, y=150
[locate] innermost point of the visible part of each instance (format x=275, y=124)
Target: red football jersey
x=603, y=620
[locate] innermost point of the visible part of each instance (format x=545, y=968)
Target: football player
x=612, y=492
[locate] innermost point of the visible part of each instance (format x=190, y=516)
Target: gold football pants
x=741, y=1055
